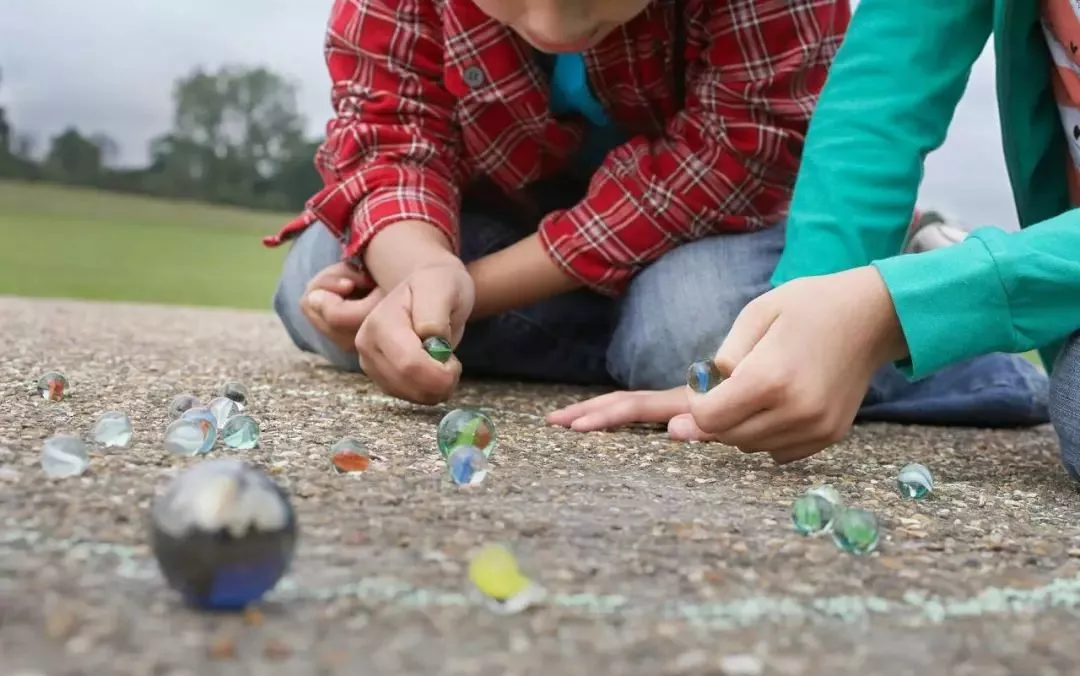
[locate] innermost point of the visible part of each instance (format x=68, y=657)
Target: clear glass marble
x=702, y=376
x=181, y=404
x=856, y=531
x=113, y=430
x=64, y=456
x=52, y=386
x=185, y=437
x=207, y=422
x=468, y=466
x=466, y=427
x=240, y=431
x=236, y=391
x=223, y=408
x=812, y=514
x=915, y=481
x=349, y=456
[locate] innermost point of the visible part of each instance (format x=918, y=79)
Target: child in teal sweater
x=994, y=291
x=802, y=357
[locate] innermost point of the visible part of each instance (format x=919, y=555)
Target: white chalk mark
x=915, y=606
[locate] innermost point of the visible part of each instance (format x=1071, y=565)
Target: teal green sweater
x=888, y=102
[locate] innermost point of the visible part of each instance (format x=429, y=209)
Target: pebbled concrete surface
x=662, y=558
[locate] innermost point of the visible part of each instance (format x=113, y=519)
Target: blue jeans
x=675, y=311
x=1065, y=404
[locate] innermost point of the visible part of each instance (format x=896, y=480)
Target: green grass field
x=75, y=243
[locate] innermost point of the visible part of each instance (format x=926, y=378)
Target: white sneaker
x=934, y=231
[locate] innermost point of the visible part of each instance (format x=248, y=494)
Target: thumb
x=434, y=299
x=749, y=327
x=318, y=299
x=683, y=428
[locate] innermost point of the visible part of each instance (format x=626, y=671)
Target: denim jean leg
x=562, y=339
x=1065, y=404
x=990, y=391
x=316, y=248
x=680, y=308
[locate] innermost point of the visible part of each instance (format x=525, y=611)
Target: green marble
x=855, y=531
x=812, y=513
x=438, y=348
x=466, y=427
x=240, y=431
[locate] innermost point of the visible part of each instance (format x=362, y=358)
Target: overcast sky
x=109, y=65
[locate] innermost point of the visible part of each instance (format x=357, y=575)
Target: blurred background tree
x=237, y=138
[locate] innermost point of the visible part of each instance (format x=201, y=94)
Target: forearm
x=516, y=276
x=887, y=103
x=994, y=292
x=395, y=252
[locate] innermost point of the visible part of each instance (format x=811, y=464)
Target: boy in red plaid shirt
x=584, y=191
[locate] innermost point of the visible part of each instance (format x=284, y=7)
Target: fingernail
x=680, y=428
x=581, y=425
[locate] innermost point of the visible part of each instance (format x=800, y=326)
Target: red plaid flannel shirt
x=431, y=94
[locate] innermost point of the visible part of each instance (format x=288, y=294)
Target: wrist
x=888, y=334
x=399, y=250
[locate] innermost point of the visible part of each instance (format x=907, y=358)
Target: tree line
x=237, y=138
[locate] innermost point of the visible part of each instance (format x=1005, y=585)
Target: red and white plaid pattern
x=430, y=94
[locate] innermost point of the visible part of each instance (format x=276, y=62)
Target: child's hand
x=801, y=358
x=432, y=301
x=615, y=409
x=330, y=305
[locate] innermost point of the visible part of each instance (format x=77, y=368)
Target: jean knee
x=1065, y=404
x=681, y=307
x=316, y=248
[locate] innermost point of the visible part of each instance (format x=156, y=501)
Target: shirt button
x=474, y=76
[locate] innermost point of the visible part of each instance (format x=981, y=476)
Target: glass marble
x=181, y=404
x=223, y=408
x=236, y=391
x=223, y=534
x=828, y=492
x=240, y=431
x=349, y=456
x=52, y=386
x=438, y=348
x=855, y=531
x=703, y=375
x=64, y=456
x=495, y=573
x=812, y=513
x=468, y=466
x=465, y=427
x=915, y=481
x=207, y=422
x=113, y=430
x=185, y=437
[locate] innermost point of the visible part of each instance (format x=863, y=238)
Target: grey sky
x=108, y=66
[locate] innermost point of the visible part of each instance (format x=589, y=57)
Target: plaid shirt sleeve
x=392, y=145
x=729, y=159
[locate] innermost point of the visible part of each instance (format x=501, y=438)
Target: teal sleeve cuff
x=951, y=305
